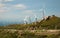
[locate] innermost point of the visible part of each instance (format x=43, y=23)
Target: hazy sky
x=16, y=10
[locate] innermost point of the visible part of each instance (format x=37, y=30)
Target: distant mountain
x=4, y=23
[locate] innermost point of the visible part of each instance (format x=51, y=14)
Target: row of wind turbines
x=27, y=19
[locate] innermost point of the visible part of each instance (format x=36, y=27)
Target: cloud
x=6, y=0
x=28, y=11
x=1, y=0
x=6, y=8
x=3, y=8
x=41, y=10
x=2, y=5
x=19, y=6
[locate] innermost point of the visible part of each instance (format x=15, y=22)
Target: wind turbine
x=29, y=19
x=25, y=20
x=35, y=19
x=43, y=11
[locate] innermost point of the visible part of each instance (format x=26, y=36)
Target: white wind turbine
x=35, y=17
x=25, y=20
x=29, y=19
x=43, y=10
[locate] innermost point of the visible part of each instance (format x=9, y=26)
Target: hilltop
x=46, y=28
x=51, y=22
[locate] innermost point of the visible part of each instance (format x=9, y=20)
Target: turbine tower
x=35, y=19
x=43, y=11
x=29, y=19
x=25, y=20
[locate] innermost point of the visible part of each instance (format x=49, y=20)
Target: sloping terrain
x=46, y=28
x=52, y=22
